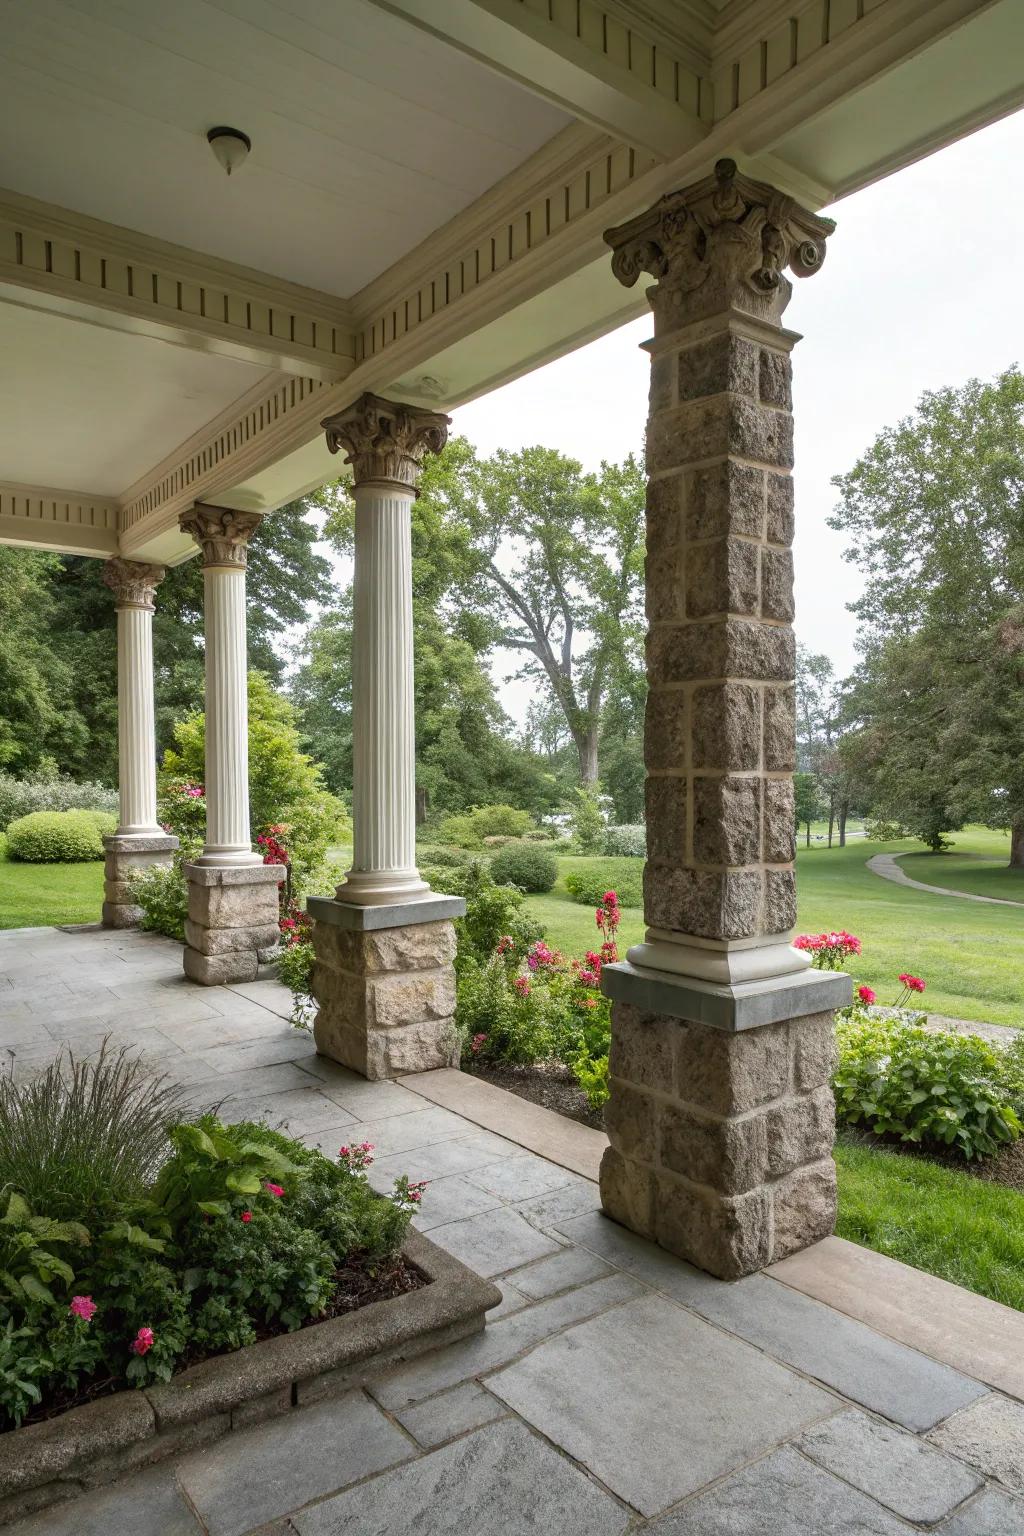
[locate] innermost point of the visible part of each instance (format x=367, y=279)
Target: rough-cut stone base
x=125, y=857
x=386, y=997
x=232, y=920
x=721, y=1141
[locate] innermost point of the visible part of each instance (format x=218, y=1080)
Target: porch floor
x=615, y=1389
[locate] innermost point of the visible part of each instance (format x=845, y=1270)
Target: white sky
x=921, y=289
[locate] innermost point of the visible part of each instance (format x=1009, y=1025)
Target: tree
x=934, y=515
x=550, y=560
x=39, y=718
x=807, y=802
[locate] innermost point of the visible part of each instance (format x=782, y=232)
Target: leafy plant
x=215, y=1168
x=587, y=821
x=531, y=868
x=23, y=1364
x=85, y=1136
x=471, y=829
x=626, y=842
x=589, y=889
x=28, y=1264
x=58, y=837
x=162, y=893
x=937, y=1090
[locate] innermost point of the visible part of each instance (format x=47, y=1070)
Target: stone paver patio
x=614, y=1390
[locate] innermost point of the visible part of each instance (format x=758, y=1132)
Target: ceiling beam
x=65, y=522
x=581, y=56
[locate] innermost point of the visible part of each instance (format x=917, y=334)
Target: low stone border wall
x=49, y=1462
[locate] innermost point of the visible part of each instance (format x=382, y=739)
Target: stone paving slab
x=451, y=1413
x=500, y=1481
x=547, y=1211
x=990, y=1435
x=893, y=1467
x=655, y=1402
x=494, y=1241
x=256, y=1475
x=459, y=1155
x=499, y=1343
x=783, y=1495
x=992, y=1513
x=297, y=1111
x=445, y=1200
x=520, y=1178
x=118, y=1511
x=563, y=1271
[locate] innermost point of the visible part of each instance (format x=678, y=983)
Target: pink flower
x=610, y=899
x=914, y=983
x=522, y=986
x=83, y=1307
x=277, y=1190
x=344, y=1151
x=865, y=994
x=143, y=1341
x=247, y=1217
x=477, y=1043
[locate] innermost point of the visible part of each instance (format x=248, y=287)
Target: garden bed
x=50, y=1461
x=547, y=1083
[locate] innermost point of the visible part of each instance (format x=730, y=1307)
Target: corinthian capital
x=132, y=583
x=222, y=533
x=725, y=240
x=384, y=440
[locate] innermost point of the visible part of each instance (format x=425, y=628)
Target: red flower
x=143, y=1341
x=247, y=1217
x=83, y=1307
x=277, y=1190
x=865, y=994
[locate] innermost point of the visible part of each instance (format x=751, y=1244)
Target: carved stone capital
x=222, y=533
x=723, y=242
x=385, y=441
x=132, y=582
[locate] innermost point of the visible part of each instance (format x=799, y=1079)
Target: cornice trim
x=48, y=518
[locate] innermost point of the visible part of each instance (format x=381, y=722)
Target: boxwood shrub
x=527, y=865
x=589, y=889
x=58, y=837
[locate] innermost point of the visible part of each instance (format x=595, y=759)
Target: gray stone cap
x=744, y=1005
x=238, y=874
x=397, y=914
x=151, y=842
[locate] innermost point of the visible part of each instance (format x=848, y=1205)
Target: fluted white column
x=223, y=535
x=385, y=445
x=134, y=585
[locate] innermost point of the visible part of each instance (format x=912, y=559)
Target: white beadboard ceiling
x=367, y=133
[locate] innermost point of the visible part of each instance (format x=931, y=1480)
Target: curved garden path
x=885, y=864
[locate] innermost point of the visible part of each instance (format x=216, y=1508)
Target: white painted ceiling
x=367, y=133
x=84, y=408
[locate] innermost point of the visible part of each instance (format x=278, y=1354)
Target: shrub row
x=21, y=797
x=59, y=837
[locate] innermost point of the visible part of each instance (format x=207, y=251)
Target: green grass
x=39, y=895
x=978, y=863
x=936, y=1219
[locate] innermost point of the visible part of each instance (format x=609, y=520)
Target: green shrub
x=936, y=1090
x=626, y=842
x=588, y=889
x=162, y=893
x=55, y=837
x=493, y=912
x=1011, y=1071
x=532, y=868
x=587, y=822
x=443, y=858
x=21, y=797
x=499, y=1020
x=471, y=828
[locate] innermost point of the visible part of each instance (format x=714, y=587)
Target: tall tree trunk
x=586, y=747
x=844, y=811
x=808, y=834
x=1017, y=841
x=421, y=805
x=831, y=821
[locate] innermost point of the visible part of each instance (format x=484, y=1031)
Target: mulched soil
x=357, y=1285
x=547, y=1083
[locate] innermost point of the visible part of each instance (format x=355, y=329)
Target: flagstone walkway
x=614, y=1390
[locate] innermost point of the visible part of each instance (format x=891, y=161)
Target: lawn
x=970, y=955
x=40, y=895
x=977, y=863
x=934, y=1218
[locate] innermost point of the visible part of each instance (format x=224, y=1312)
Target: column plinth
x=233, y=896
x=139, y=841
x=729, y=1168
x=385, y=1003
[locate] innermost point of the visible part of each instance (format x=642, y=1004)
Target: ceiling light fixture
x=230, y=146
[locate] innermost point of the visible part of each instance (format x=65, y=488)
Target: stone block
x=800, y=1130
x=414, y=947
x=222, y=941
x=710, y=904
x=727, y=820
x=721, y=577
x=775, y=379
x=899, y=1470
x=725, y=499
x=643, y=1048
x=779, y=901
x=379, y=1054
x=232, y=906
x=721, y=364
x=781, y=521
x=779, y=730
x=723, y=648
x=664, y=513
x=220, y=970
x=666, y=729
x=990, y=1435
x=777, y=585
x=666, y=802
x=779, y=822
x=814, y=1051
x=631, y=1120
x=383, y=1002
x=120, y=914
x=660, y=396
x=731, y=1073
x=628, y=1192
x=716, y=426
x=728, y=1154
x=727, y=1235
x=726, y=726
x=665, y=585
x=803, y=1207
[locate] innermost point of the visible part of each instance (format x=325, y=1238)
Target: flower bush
x=59, y=837
x=828, y=951
x=238, y=1230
